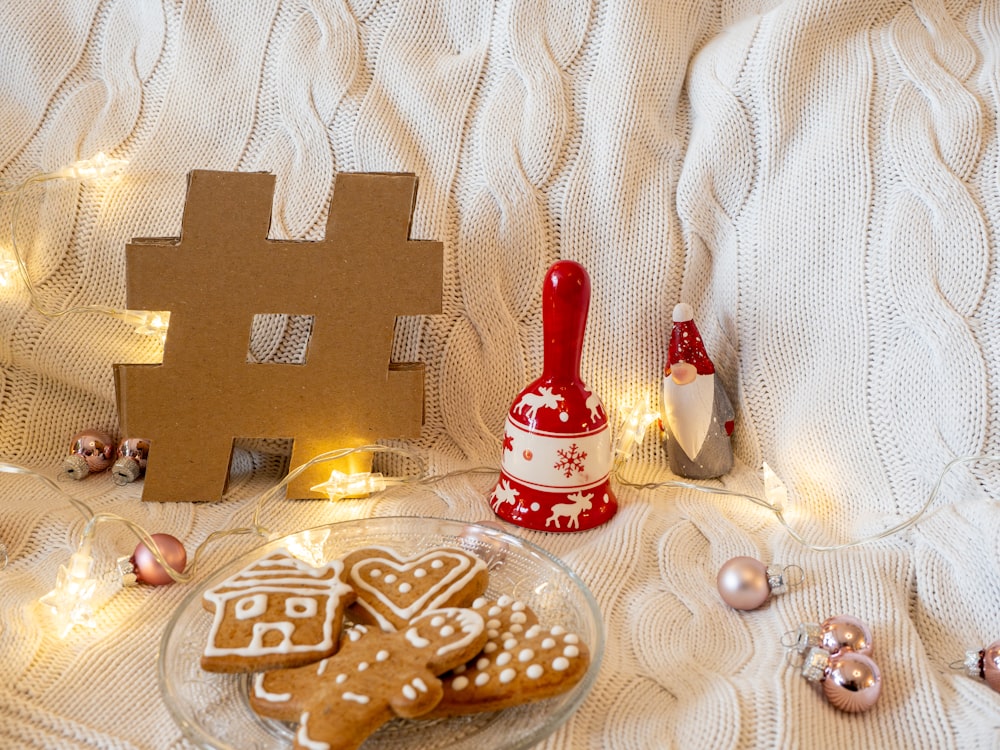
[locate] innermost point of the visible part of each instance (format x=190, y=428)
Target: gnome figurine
x=697, y=416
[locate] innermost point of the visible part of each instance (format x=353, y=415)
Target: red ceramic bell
x=557, y=443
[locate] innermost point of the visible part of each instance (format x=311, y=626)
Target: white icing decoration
x=437, y=564
x=375, y=572
x=510, y=643
x=420, y=684
x=322, y=667
x=287, y=576
x=415, y=639
x=483, y=663
x=494, y=612
x=482, y=678
x=302, y=736
x=490, y=647
x=251, y=606
x=391, y=578
x=519, y=618
x=419, y=573
x=504, y=659
x=558, y=630
x=504, y=600
x=447, y=631
x=535, y=671
x=362, y=666
x=405, y=588
x=460, y=668
x=492, y=633
x=560, y=663
x=437, y=621
x=471, y=624
x=341, y=678
x=409, y=693
x=548, y=643
x=355, y=633
x=571, y=651
x=533, y=631
x=507, y=675
x=362, y=699
x=572, y=638
x=382, y=655
x=493, y=623
x=300, y=606
x=260, y=692
x=518, y=606
x=526, y=655
x=460, y=683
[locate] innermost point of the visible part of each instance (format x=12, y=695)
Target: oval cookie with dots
x=521, y=662
x=392, y=589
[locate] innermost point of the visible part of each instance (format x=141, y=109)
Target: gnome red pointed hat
x=686, y=344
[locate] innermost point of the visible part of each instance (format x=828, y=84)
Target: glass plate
x=213, y=710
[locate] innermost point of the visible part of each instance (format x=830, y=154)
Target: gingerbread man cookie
x=277, y=612
x=521, y=662
x=375, y=676
x=393, y=589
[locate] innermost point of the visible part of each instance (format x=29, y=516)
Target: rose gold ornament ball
x=991, y=665
x=148, y=570
x=846, y=633
x=853, y=682
x=743, y=584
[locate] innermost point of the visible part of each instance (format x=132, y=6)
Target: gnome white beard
x=688, y=410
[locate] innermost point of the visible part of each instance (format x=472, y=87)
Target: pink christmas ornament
x=557, y=442
x=148, y=570
x=851, y=682
x=90, y=451
x=696, y=414
x=131, y=463
x=834, y=635
x=985, y=664
x=745, y=583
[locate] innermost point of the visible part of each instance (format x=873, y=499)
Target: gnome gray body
x=716, y=455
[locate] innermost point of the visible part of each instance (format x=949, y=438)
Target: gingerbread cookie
x=392, y=589
x=375, y=676
x=276, y=612
x=521, y=662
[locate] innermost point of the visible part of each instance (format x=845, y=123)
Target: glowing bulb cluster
x=70, y=601
x=635, y=422
x=775, y=491
x=340, y=485
x=101, y=166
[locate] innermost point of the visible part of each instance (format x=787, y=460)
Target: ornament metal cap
x=125, y=470
x=816, y=663
x=76, y=466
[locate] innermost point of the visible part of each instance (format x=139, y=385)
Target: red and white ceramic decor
x=557, y=442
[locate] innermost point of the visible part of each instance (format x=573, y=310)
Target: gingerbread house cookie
x=277, y=612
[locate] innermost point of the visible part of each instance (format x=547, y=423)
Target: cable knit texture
x=819, y=179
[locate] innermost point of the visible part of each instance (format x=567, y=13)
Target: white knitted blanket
x=819, y=179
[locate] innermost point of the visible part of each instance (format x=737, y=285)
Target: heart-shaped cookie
x=393, y=589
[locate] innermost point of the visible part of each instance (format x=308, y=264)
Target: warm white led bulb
x=69, y=601
x=775, y=491
x=341, y=485
x=99, y=167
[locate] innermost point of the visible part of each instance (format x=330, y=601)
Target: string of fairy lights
x=70, y=602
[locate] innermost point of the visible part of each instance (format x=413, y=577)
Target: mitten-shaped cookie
x=374, y=677
x=521, y=662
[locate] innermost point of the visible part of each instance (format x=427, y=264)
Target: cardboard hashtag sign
x=220, y=273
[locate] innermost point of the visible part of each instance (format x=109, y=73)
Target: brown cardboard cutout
x=219, y=274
